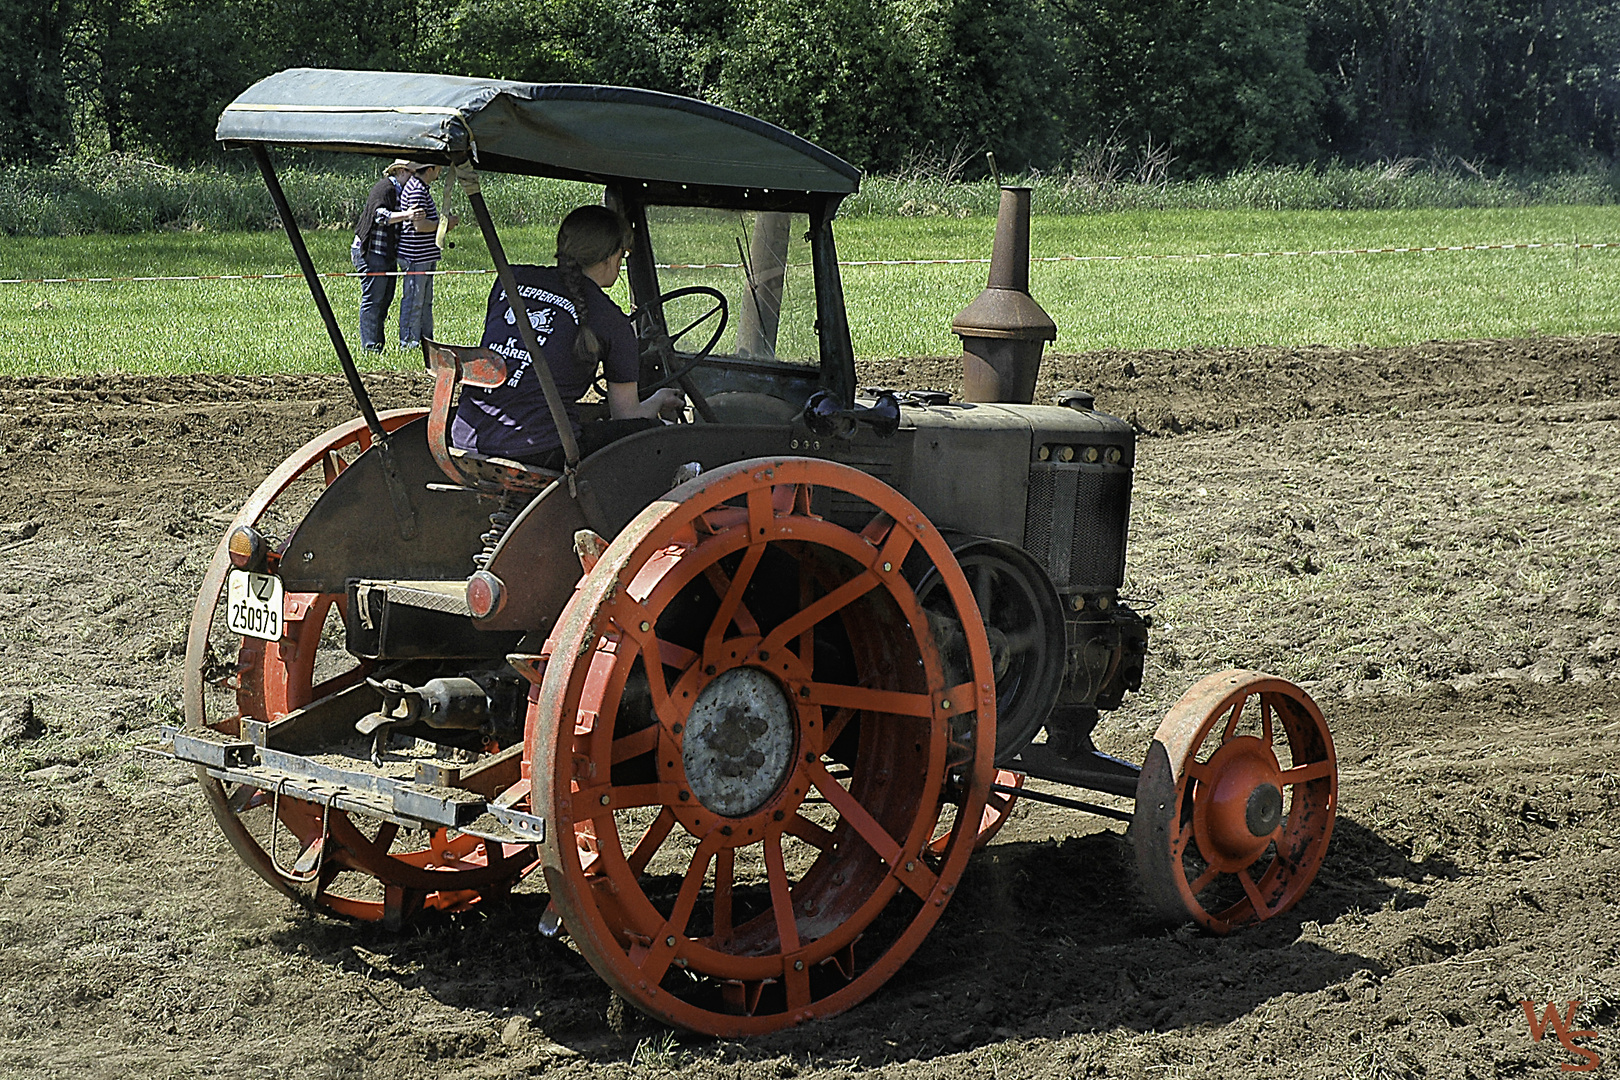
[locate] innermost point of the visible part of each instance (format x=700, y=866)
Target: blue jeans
x=416, y=303
x=376, y=293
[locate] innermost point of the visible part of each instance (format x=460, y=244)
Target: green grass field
x=268, y=326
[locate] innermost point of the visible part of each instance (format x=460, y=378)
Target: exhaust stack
x=1004, y=330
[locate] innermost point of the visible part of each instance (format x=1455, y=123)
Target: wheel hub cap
x=1239, y=807
x=738, y=746
x=1264, y=810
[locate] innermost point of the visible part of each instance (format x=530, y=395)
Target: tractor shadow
x=1052, y=938
x=1043, y=939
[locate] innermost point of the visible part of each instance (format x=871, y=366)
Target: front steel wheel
x=1233, y=816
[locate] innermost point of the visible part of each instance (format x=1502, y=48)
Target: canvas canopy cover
x=567, y=130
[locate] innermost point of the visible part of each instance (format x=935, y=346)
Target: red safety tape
x=1570, y=246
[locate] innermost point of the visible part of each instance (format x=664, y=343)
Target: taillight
x=486, y=594
x=249, y=549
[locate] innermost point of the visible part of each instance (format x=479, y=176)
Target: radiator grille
x=1075, y=523
x=1038, y=521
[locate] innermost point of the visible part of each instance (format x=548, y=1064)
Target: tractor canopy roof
x=602, y=134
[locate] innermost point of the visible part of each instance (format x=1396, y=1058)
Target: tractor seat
x=475, y=366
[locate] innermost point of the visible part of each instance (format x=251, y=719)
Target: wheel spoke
x=701, y=319
x=862, y=698
x=829, y=605
x=1261, y=909
x=877, y=530
x=342, y=681
x=852, y=811
x=897, y=546
x=807, y=640
x=724, y=870
x=1232, y=721
x=330, y=869
x=787, y=928
x=982, y=588
x=245, y=797
x=731, y=594
x=802, y=827
x=1299, y=774
x=1201, y=882
x=1025, y=641
x=675, y=656
x=651, y=841
x=833, y=726
x=309, y=858
x=672, y=934
x=635, y=744
x=628, y=797
x=631, y=617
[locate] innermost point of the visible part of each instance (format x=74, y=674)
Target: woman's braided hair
x=587, y=236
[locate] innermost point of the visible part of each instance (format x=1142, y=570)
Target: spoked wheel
x=349, y=865
x=1233, y=815
x=742, y=828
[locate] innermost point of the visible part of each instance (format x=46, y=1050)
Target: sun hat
x=404, y=163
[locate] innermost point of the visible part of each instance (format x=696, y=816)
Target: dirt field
x=1427, y=538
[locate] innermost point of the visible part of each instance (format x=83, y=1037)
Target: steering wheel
x=665, y=344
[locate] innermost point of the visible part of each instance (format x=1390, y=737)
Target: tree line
x=1217, y=84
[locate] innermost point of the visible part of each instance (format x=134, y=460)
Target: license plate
x=253, y=605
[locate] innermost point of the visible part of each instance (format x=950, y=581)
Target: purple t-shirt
x=512, y=420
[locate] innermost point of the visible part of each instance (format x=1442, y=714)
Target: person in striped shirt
x=419, y=253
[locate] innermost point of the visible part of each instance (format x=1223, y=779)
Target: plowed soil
x=1426, y=538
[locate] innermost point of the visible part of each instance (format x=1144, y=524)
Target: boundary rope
x=1146, y=257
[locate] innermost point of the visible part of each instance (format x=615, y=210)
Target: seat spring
x=500, y=520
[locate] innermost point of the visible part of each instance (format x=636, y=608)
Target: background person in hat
x=376, y=249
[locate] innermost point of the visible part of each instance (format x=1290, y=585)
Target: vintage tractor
x=748, y=690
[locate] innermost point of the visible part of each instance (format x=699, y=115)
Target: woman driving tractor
x=578, y=327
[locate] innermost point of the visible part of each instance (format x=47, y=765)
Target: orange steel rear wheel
x=322, y=857
x=1233, y=815
x=741, y=831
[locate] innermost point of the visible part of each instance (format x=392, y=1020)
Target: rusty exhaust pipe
x=1004, y=330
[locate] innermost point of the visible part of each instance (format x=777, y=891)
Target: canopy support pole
x=279, y=197
x=404, y=512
